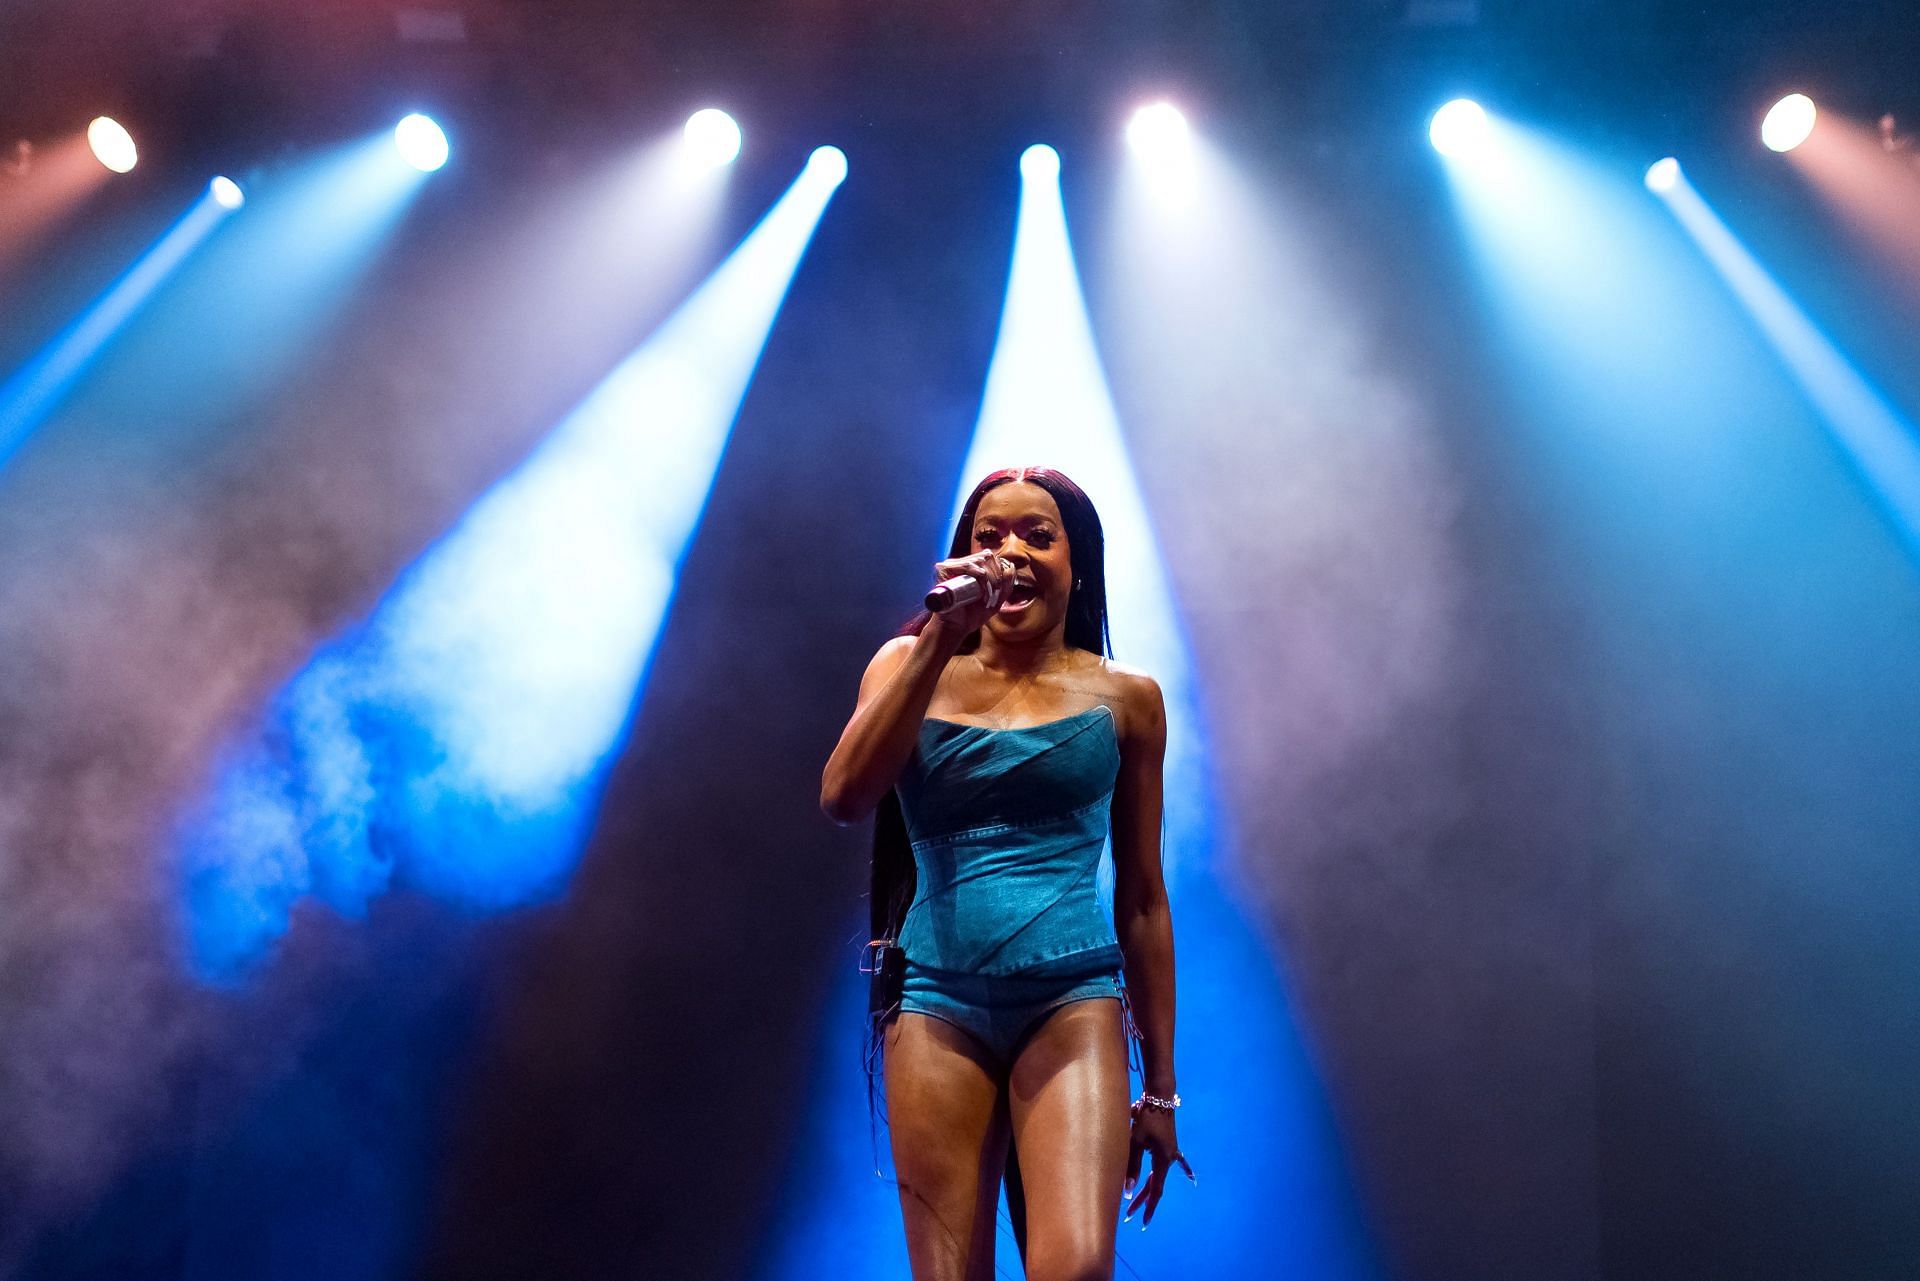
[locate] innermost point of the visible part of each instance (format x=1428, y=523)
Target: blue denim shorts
x=1001, y=1010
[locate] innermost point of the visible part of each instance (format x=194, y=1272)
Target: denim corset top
x=1007, y=828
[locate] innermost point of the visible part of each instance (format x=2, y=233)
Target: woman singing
x=999, y=741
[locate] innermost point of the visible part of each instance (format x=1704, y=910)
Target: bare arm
x=895, y=692
x=1144, y=923
x=1141, y=916
x=876, y=743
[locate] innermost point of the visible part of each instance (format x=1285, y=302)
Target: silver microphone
x=961, y=589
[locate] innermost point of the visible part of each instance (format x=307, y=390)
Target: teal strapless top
x=1007, y=828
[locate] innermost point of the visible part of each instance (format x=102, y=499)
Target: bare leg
x=1068, y=1100
x=947, y=1112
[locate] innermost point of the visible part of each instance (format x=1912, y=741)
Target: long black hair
x=892, y=878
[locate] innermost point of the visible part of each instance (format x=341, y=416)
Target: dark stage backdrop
x=1568, y=778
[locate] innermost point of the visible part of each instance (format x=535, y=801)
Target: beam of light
x=573, y=277
x=226, y=193
x=1662, y=175
x=1624, y=363
x=1218, y=315
x=1459, y=129
x=421, y=142
x=1046, y=402
x=1881, y=444
x=712, y=138
x=245, y=311
x=1680, y=483
x=455, y=740
x=1597, y=299
x=1789, y=123
x=1875, y=188
x=112, y=144
x=31, y=394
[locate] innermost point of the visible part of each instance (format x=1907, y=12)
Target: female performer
x=1000, y=741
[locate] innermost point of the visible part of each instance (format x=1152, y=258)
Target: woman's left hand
x=1153, y=1132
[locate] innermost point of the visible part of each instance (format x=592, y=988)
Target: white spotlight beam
x=548, y=594
x=1047, y=404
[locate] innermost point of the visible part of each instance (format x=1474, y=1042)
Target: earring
x=1078, y=583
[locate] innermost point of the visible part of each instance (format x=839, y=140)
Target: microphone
x=961, y=589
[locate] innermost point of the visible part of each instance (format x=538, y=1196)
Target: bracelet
x=1152, y=1101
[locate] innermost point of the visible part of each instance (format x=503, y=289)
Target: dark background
x=1602, y=945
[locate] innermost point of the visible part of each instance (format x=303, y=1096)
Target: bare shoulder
x=894, y=652
x=1139, y=707
x=885, y=662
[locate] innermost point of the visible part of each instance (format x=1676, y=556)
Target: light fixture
x=421, y=142
x=112, y=144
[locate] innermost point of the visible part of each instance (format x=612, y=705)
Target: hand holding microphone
x=970, y=589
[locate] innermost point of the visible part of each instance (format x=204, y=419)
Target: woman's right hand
x=962, y=621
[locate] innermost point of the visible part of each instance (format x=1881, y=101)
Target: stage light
x=422, y=143
x=1039, y=162
x=112, y=144
x=713, y=138
x=1789, y=123
x=830, y=163
x=1459, y=128
x=226, y=193
x=1663, y=174
x=1158, y=133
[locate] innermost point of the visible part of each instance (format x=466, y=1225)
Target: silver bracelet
x=1153, y=1101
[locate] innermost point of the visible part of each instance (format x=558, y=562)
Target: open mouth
x=1020, y=595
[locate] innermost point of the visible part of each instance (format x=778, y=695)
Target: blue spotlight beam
x=38, y=388
x=1880, y=443
x=1603, y=317
x=458, y=736
x=279, y=279
x=243, y=311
